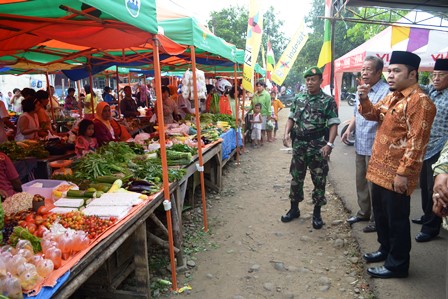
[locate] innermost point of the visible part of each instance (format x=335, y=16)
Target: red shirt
x=7, y=173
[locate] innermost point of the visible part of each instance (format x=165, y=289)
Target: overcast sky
x=290, y=15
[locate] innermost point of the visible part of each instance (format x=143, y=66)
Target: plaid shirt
x=439, y=130
x=366, y=129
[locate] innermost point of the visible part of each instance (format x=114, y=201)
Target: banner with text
x=253, y=42
x=288, y=58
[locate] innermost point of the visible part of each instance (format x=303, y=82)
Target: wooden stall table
x=104, y=267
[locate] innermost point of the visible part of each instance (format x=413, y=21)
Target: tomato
x=42, y=210
x=41, y=230
x=29, y=218
x=31, y=227
x=39, y=219
x=22, y=223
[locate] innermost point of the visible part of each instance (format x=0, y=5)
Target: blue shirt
x=366, y=129
x=439, y=129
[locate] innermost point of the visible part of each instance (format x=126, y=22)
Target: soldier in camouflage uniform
x=311, y=115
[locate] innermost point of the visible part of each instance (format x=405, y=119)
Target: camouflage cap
x=312, y=71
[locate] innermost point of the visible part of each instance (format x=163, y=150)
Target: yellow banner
x=288, y=58
x=253, y=42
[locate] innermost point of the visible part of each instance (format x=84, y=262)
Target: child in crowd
x=277, y=106
x=256, y=125
x=270, y=126
x=85, y=143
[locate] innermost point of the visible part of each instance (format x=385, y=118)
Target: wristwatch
x=330, y=144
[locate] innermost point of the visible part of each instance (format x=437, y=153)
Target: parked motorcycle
x=352, y=137
x=349, y=97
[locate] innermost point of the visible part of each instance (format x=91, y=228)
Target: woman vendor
x=108, y=129
x=170, y=112
x=28, y=123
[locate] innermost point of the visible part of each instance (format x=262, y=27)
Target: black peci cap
x=407, y=58
x=441, y=65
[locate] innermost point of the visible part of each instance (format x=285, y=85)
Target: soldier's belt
x=311, y=136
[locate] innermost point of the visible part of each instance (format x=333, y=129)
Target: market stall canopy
x=424, y=42
x=68, y=32
x=187, y=30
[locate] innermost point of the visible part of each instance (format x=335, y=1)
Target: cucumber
x=109, y=179
x=101, y=186
x=80, y=194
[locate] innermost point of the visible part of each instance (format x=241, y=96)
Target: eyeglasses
x=440, y=75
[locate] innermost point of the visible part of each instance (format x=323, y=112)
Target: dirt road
x=249, y=253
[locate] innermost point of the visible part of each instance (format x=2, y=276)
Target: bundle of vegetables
x=119, y=151
x=206, y=118
x=95, y=164
x=136, y=148
x=179, y=147
x=150, y=170
x=224, y=118
x=109, y=159
x=21, y=150
x=21, y=233
x=177, y=158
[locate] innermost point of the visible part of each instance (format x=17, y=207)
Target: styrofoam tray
x=63, y=210
x=69, y=202
x=107, y=211
x=114, y=201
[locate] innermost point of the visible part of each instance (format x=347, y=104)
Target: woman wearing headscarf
x=108, y=129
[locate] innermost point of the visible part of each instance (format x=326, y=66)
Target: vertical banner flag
x=139, y=13
x=270, y=61
x=325, y=51
x=288, y=58
x=263, y=58
x=253, y=42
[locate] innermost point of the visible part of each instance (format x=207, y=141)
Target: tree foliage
x=231, y=25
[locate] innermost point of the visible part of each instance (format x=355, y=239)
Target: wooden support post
x=141, y=260
x=177, y=231
x=160, y=242
x=159, y=224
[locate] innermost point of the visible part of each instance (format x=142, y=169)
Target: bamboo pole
x=78, y=86
x=50, y=96
x=166, y=187
x=145, y=89
x=237, y=105
x=118, y=89
x=243, y=117
x=92, y=103
x=198, y=135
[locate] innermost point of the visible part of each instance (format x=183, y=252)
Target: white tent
x=429, y=44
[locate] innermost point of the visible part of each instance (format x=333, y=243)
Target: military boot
x=317, y=219
x=294, y=212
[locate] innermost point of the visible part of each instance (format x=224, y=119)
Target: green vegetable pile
x=120, y=159
x=16, y=152
x=210, y=118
